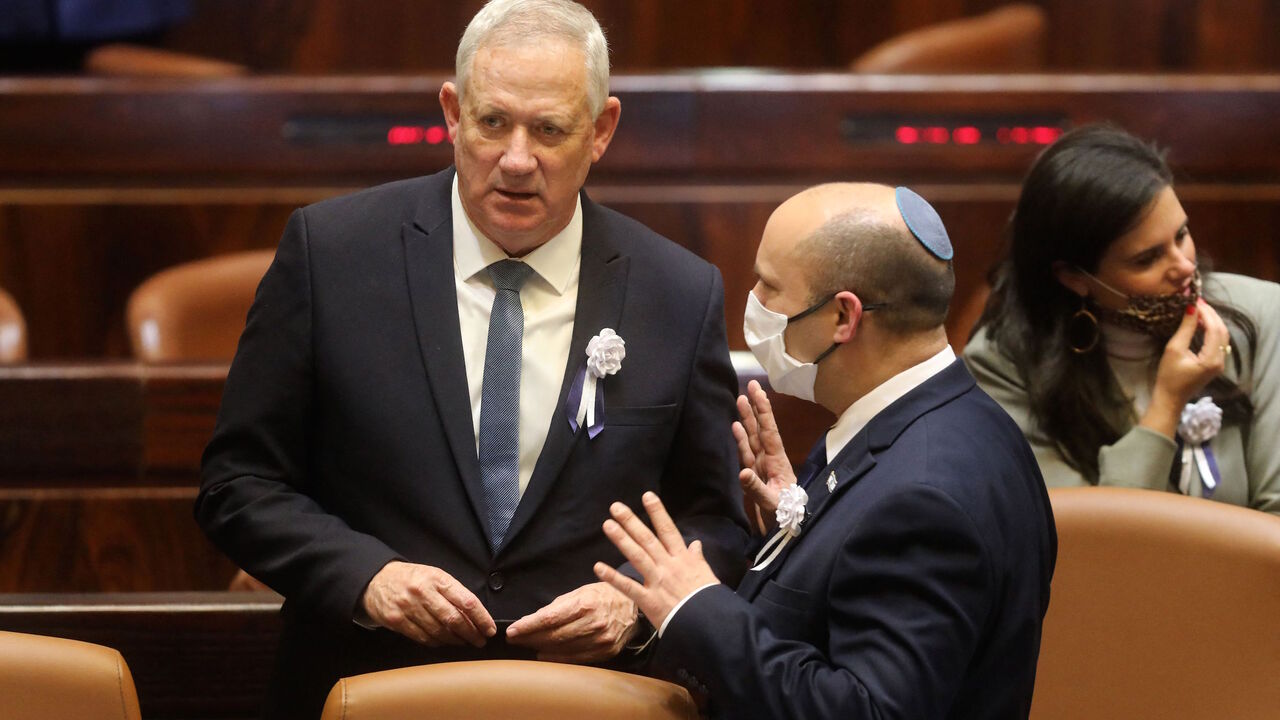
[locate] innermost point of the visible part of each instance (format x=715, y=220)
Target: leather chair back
x=47, y=678
x=1008, y=39
x=128, y=60
x=13, y=330
x=503, y=689
x=1161, y=606
x=196, y=310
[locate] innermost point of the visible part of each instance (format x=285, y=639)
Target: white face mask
x=764, y=330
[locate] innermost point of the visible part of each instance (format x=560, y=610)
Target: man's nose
x=518, y=157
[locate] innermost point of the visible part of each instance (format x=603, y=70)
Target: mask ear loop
x=810, y=310
x=1098, y=280
x=865, y=308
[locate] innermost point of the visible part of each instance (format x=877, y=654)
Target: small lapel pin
x=831, y=482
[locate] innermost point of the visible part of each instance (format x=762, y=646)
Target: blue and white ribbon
x=1201, y=422
x=585, y=404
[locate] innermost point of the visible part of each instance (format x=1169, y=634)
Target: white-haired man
x=415, y=441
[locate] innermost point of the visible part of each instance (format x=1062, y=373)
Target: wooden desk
x=107, y=182
x=99, y=467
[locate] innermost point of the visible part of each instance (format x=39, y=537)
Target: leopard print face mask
x=1156, y=315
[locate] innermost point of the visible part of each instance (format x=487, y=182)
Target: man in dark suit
x=444, y=381
x=909, y=570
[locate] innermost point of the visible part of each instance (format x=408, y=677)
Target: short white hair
x=519, y=22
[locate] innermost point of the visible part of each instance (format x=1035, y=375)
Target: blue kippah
x=924, y=223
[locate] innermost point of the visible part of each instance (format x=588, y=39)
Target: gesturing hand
x=766, y=470
x=1183, y=373
x=426, y=604
x=670, y=570
x=588, y=624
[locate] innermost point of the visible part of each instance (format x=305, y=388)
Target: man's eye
x=492, y=121
x=550, y=130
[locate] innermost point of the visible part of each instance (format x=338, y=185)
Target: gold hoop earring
x=1083, y=316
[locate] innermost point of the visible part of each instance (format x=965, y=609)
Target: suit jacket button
x=495, y=581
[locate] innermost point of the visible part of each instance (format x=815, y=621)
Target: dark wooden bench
x=203, y=656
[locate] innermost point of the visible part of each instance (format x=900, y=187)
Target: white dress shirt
x=855, y=418
x=549, y=299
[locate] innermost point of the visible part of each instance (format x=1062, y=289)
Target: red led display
x=416, y=134
x=971, y=135
x=907, y=135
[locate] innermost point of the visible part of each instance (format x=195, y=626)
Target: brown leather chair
x=13, y=330
x=1161, y=606
x=196, y=310
x=502, y=689
x=1010, y=38
x=47, y=678
x=127, y=60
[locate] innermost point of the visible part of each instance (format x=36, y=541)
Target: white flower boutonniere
x=790, y=512
x=585, y=406
x=790, y=515
x=1201, y=422
x=605, y=353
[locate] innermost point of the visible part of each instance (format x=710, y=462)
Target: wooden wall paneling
x=197, y=656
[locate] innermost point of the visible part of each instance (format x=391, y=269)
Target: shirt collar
x=554, y=261
x=861, y=412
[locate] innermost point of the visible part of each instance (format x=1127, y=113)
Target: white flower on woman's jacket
x=1201, y=421
x=605, y=353
x=790, y=513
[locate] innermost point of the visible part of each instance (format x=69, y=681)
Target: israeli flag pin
x=831, y=482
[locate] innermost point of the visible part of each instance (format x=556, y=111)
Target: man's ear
x=605, y=123
x=849, y=309
x=1071, y=278
x=450, y=104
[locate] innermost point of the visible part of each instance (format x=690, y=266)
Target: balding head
x=852, y=236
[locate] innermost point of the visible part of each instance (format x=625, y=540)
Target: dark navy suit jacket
x=916, y=588
x=345, y=436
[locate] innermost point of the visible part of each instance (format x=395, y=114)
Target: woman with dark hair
x=1123, y=359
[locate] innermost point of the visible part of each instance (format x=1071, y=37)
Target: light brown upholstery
x=195, y=311
x=13, y=330
x=504, y=689
x=126, y=60
x=1162, y=606
x=1008, y=39
x=46, y=678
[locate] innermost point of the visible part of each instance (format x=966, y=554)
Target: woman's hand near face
x=1183, y=373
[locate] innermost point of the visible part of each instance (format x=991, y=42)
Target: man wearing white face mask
x=906, y=571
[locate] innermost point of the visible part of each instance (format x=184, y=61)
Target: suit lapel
x=428, y=248
x=858, y=457
x=602, y=288
x=852, y=463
